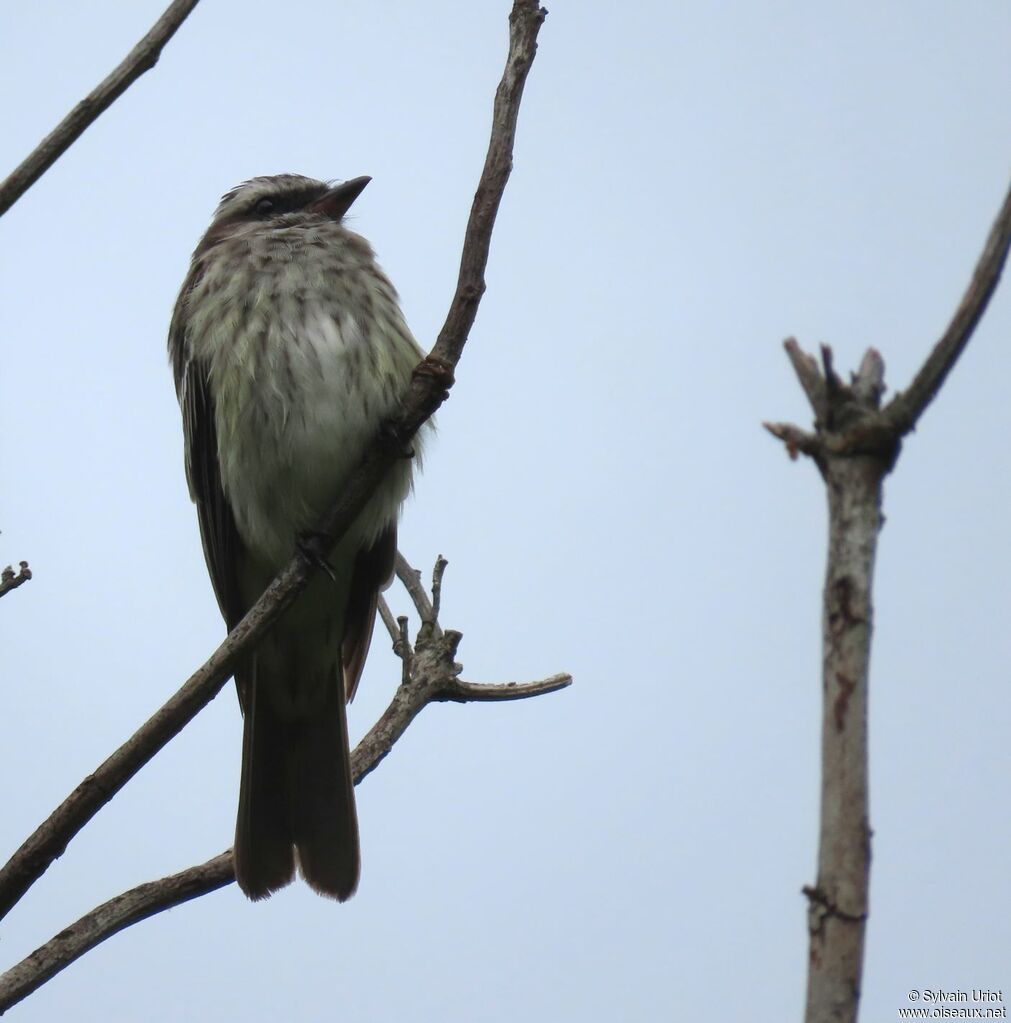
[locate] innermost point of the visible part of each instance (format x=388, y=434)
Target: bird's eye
x=264, y=207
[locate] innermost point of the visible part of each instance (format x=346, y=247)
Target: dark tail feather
x=323, y=818
x=264, y=858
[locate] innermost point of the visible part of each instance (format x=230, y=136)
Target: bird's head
x=287, y=199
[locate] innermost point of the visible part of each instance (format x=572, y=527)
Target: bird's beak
x=337, y=201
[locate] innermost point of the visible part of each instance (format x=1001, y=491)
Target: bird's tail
x=324, y=821
x=296, y=800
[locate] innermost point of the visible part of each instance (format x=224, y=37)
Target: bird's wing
x=221, y=541
x=222, y=545
x=373, y=570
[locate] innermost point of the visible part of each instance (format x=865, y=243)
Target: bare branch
x=524, y=23
x=832, y=382
x=432, y=379
x=797, y=441
x=855, y=446
x=849, y=422
x=437, y=573
x=146, y=900
x=854, y=452
x=869, y=380
x=906, y=408
x=459, y=691
x=50, y=839
x=108, y=919
x=433, y=674
x=837, y=916
x=403, y=649
x=809, y=376
x=388, y=620
x=411, y=578
x=11, y=581
x=429, y=388
x=141, y=58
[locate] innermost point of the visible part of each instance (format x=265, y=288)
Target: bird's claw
x=309, y=545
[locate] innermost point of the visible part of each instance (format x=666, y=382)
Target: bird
x=290, y=352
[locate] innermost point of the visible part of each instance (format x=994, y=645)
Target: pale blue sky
x=693, y=182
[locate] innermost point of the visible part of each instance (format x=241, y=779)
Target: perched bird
x=290, y=351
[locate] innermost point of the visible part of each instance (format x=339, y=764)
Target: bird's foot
x=392, y=437
x=312, y=545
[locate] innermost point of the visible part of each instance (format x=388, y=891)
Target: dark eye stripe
x=286, y=202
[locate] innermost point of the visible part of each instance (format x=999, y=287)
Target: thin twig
x=402, y=648
x=832, y=381
x=459, y=691
x=411, y=579
x=141, y=58
x=906, y=408
x=869, y=381
x=797, y=441
x=429, y=388
x=809, y=376
x=11, y=581
x=437, y=573
x=524, y=23
x=388, y=620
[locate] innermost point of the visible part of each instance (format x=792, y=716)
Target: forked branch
x=855, y=444
x=430, y=675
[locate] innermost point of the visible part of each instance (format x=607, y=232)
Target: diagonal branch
x=388, y=620
x=524, y=23
x=50, y=839
x=429, y=388
x=906, y=408
x=141, y=58
x=108, y=919
x=430, y=676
